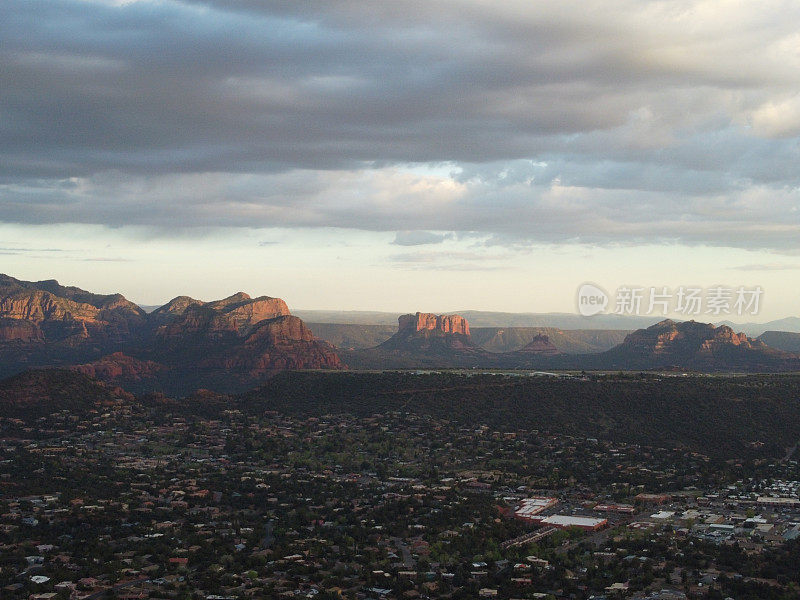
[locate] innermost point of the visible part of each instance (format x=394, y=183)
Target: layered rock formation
x=20, y=330
x=423, y=340
x=249, y=335
x=55, y=313
x=437, y=323
x=693, y=345
x=235, y=342
x=669, y=337
x=225, y=344
x=228, y=318
x=426, y=332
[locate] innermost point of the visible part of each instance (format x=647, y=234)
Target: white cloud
x=779, y=118
x=618, y=121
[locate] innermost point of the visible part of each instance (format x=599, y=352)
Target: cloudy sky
x=401, y=155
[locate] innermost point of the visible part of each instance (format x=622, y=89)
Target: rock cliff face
x=238, y=339
x=281, y=343
x=430, y=322
x=693, y=345
x=20, y=330
x=233, y=316
x=433, y=335
x=224, y=344
x=65, y=313
x=668, y=337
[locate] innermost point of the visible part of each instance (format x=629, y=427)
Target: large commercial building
x=564, y=521
x=530, y=507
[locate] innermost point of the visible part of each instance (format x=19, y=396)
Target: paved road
x=408, y=561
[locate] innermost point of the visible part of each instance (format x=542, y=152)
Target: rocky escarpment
x=423, y=340
x=54, y=313
x=429, y=333
x=224, y=344
x=231, y=317
x=20, y=330
x=283, y=342
x=237, y=338
x=668, y=336
x=427, y=322
x=693, y=345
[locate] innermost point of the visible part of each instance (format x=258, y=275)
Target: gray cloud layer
x=617, y=121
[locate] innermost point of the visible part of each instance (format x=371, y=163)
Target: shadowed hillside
x=787, y=341
x=33, y=394
x=719, y=416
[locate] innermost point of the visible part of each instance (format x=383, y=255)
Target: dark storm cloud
x=622, y=121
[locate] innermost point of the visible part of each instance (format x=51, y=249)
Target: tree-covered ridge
x=719, y=416
x=37, y=393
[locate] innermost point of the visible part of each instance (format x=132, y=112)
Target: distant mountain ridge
x=564, y=321
x=483, y=319
x=494, y=339
x=571, y=341
x=422, y=341
x=237, y=342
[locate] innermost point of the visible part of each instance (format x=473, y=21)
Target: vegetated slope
x=788, y=341
x=353, y=336
x=723, y=417
x=40, y=392
x=570, y=341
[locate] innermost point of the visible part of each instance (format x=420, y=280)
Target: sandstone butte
x=430, y=322
x=540, y=344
